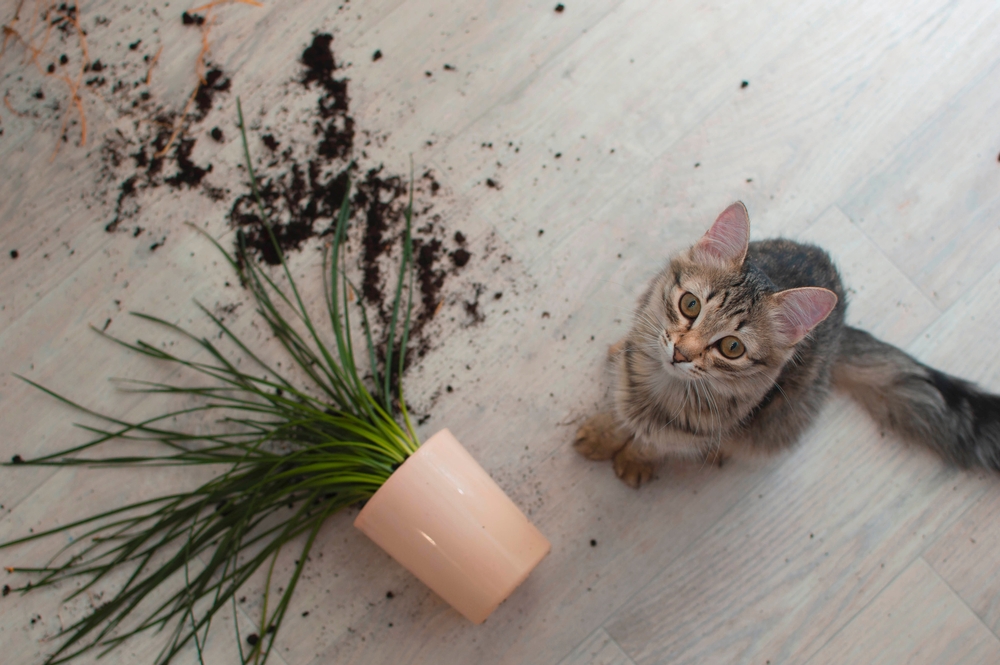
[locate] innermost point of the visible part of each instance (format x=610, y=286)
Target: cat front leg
x=600, y=437
x=634, y=464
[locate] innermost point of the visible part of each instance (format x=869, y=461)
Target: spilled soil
x=301, y=179
x=161, y=153
x=301, y=188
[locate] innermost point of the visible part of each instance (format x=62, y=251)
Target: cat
x=734, y=348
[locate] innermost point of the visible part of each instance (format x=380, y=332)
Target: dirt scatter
x=215, y=81
x=188, y=173
x=472, y=306
x=302, y=188
x=303, y=170
x=154, y=147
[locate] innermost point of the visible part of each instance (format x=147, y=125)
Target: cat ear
x=800, y=310
x=728, y=238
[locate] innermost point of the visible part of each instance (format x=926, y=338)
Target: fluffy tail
x=921, y=404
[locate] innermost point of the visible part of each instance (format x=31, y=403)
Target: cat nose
x=679, y=356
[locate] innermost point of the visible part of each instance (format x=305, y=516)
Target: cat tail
x=921, y=404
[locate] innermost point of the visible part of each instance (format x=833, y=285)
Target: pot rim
x=420, y=449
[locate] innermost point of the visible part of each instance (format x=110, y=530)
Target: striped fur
x=921, y=404
x=678, y=395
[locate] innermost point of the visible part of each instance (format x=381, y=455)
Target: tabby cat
x=735, y=346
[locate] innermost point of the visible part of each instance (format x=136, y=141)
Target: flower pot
x=445, y=520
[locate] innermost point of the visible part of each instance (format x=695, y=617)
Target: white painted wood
x=879, y=297
x=966, y=325
x=598, y=649
x=916, y=619
x=868, y=128
x=800, y=554
x=963, y=557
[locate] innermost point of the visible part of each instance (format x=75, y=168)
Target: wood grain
x=613, y=133
x=916, y=619
x=598, y=649
x=789, y=567
x=960, y=557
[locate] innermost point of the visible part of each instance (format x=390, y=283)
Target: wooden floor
x=613, y=132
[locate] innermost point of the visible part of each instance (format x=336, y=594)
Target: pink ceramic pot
x=446, y=521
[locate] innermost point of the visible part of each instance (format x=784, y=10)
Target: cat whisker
x=718, y=415
x=715, y=429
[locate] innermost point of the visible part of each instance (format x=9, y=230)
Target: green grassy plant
x=276, y=444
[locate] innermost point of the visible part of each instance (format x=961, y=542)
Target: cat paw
x=633, y=472
x=599, y=438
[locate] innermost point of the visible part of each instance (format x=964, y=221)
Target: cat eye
x=731, y=347
x=690, y=306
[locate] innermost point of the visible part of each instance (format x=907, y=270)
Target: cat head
x=711, y=314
